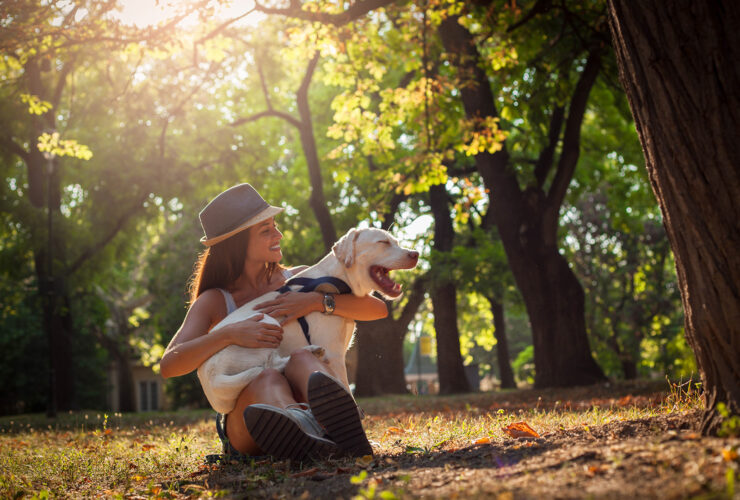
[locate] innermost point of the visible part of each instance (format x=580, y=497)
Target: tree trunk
x=502, y=345
x=678, y=63
x=556, y=307
x=126, y=401
x=629, y=368
x=452, y=377
x=527, y=223
x=316, y=200
x=380, y=368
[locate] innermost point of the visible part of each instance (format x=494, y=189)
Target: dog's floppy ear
x=344, y=249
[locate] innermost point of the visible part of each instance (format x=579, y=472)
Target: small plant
x=730, y=426
x=683, y=396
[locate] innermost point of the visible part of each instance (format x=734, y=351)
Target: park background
x=545, y=260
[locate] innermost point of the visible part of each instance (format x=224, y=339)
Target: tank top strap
x=230, y=304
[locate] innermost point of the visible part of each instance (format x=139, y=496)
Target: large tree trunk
x=527, y=220
x=44, y=192
x=452, y=378
x=380, y=358
x=678, y=62
x=450, y=368
x=380, y=368
x=502, y=345
x=556, y=307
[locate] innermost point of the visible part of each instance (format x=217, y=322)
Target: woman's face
x=264, y=242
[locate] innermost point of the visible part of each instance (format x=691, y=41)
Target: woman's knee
x=268, y=376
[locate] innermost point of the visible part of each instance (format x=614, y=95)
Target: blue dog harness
x=309, y=285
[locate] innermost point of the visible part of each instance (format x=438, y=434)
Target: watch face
x=329, y=303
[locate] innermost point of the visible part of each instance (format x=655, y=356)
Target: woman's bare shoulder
x=210, y=303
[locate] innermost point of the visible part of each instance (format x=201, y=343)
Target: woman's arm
x=293, y=305
x=191, y=346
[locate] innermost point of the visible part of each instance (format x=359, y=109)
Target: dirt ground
x=660, y=456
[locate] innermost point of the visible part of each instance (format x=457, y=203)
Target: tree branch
x=392, y=209
x=355, y=11
x=539, y=7
x=12, y=146
x=547, y=156
x=112, y=232
x=571, y=144
x=415, y=299
x=269, y=112
x=265, y=91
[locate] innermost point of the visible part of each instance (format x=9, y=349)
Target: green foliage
x=730, y=426
x=523, y=365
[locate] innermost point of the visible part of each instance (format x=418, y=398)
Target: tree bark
x=527, y=222
x=317, y=200
x=678, y=64
x=44, y=193
x=380, y=367
x=450, y=368
x=502, y=345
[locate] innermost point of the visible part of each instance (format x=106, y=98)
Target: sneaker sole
x=335, y=409
x=278, y=435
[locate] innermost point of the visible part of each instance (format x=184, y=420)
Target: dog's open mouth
x=384, y=281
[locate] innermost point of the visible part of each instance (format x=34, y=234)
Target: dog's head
x=368, y=256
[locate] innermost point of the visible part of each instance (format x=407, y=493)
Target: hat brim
x=265, y=214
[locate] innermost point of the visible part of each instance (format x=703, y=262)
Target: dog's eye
x=385, y=242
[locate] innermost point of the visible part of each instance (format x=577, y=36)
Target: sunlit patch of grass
x=125, y=459
x=163, y=454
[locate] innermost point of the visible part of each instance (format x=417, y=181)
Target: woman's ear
x=344, y=249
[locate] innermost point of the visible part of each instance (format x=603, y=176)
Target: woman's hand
x=292, y=305
x=255, y=334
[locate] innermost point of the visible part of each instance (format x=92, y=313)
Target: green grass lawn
x=417, y=441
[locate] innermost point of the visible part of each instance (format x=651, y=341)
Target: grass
x=162, y=455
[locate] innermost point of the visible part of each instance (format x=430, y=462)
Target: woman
x=241, y=263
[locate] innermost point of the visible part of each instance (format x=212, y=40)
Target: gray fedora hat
x=234, y=210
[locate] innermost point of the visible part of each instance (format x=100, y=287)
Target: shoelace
x=302, y=413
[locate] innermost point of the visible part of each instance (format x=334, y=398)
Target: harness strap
x=309, y=285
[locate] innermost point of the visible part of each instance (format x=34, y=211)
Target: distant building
x=148, y=388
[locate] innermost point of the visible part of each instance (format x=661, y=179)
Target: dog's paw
x=316, y=350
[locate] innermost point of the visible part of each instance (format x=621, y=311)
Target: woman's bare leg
x=273, y=388
x=301, y=365
x=270, y=387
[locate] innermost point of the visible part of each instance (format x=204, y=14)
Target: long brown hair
x=220, y=265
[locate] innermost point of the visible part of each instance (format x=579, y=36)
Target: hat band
x=263, y=215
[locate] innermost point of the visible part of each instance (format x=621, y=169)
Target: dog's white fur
x=225, y=374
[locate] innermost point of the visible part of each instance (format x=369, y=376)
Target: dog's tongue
x=381, y=276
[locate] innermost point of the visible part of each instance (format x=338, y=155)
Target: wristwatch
x=329, y=303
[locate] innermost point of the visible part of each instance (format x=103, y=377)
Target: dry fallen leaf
x=728, y=454
x=483, y=440
x=391, y=431
x=520, y=430
x=147, y=447
x=592, y=470
x=364, y=461
x=306, y=473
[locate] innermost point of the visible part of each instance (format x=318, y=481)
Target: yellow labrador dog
x=362, y=259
